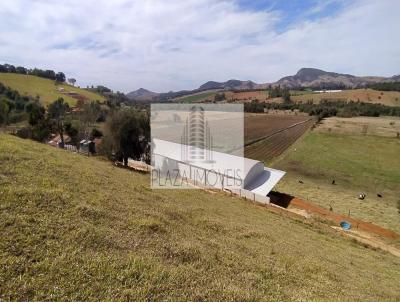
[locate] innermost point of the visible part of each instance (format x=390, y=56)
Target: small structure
x=56, y=140
x=87, y=146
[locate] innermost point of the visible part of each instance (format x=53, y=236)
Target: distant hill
x=46, y=89
x=319, y=79
x=316, y=79
x=142, y=95
x=228, y=85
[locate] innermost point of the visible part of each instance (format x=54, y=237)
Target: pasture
x=79, y=228
x=46, y=89
x=359, y=161
x=197, y=97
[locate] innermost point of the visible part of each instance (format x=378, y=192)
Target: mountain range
x=306, y=77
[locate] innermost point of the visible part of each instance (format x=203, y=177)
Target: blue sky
x=292, y=12
x=180, y=44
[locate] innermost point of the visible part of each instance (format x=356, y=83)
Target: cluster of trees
x=48, y=74
x=58, y=118
x=278, y=91
x=386, y=86
x=99, y=89
x=127, y=135
x=13, y=106
x=328, y=108
x=219, y=97
x=127, y=129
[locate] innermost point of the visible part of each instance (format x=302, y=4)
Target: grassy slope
x=357, y=163
x=46, y=89
x=197, y=97
x=80, y=228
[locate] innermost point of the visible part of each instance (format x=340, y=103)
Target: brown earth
x=288, y=201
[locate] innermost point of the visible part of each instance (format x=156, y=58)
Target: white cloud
x=164, y=45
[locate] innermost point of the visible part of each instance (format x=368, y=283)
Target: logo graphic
x=196, y=141
x=192, y=143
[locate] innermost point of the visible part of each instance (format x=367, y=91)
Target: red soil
x=286, y=201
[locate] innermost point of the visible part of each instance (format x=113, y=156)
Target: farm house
x=245, y=177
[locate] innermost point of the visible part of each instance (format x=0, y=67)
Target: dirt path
x=367, y=239
x=295, y=204
x=356, y=223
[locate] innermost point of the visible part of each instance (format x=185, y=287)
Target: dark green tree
x=127, y=134
x=56, y=113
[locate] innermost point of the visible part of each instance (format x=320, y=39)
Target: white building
x=243, y=176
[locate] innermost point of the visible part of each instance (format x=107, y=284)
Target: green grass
x=357, y=163
x=46, y=89
x=78, y=228
x=197, y=97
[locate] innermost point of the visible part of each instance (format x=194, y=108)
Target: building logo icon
x=196, y=140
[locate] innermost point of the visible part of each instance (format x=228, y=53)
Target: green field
x=46, y=89
x=358, y=163
x=196, y=97
x=79, y=228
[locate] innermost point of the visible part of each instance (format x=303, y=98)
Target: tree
x=4, y=111
x=127, y=134
x=219, y=97
x=286, y=96
x=36, y=112
x=21, y=70
x=56, y=112
x=72, y=81
x=60, y=77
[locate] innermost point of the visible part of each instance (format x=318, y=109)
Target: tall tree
x=56, y=112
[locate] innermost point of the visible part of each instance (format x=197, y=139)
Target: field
x=197, y=97
x=389, y=98
x=359, y=160
x=247, y=96
x=79, y=228
x=46, y=89
x=268, y=136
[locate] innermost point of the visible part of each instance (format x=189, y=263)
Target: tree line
x=327, y=108
x=386, y=86
x=47, y=74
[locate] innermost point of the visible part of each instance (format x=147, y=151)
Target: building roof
x=255, y=176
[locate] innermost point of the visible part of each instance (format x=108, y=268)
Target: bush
x=96, y=133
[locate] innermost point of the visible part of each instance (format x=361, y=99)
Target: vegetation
x=328, y=108
x=13, y=106
x=47, y=74
x=196, y=97
x=386, y=86
x=357, y=163
x=278, y=91
x=47, y=90
x=127, y=134
x=78, y=228
x=388, y=98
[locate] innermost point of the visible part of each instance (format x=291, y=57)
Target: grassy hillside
x=197, y=97
x=357, y=162
x=79, y=228
x=46, y=89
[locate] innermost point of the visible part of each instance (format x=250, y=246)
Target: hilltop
x=304, y=78
x=317, y=78
x=46, y=89
x=82, y=229
x=142, y=95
